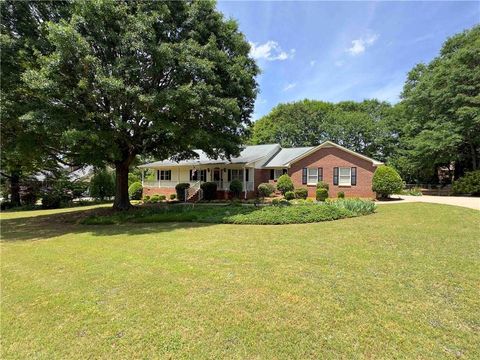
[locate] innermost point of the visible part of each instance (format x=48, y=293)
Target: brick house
x=343, y=169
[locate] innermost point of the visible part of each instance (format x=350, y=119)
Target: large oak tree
x=25, y=148
x=150, y=78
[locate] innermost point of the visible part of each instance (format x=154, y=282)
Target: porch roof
x=247, y=155
x=284, y=156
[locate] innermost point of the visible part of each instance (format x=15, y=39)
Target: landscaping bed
x=284, y=213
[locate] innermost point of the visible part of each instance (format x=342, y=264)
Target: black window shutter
x=272, y=174
x=284, y=171
x=320, y=174
x=335, y=176
x=304, y=176
x=354, y=176
x=191, y=175
x=229, y=175
x=246, y=174
x=158, y=175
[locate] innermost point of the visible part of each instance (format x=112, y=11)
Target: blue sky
x=336, y=51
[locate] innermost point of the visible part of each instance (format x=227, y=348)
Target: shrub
x=289, y=195
x=468, y=184
x=341, y=195
x=155, y=199
x=180, y=189
x=236, y=188
x=284, y=184
x=209, y=190
x=146, y=199
x=135, y=191
x=173, y=196
x=321, y=194
x=386, y=181
x=266, y=189
x=355, y=206
x=322, y=185
x=162, y=197
x=280, y=202
x=30, y=192
x=301, y=193
x=102, y=185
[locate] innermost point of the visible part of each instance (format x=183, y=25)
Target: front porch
x=166, y=178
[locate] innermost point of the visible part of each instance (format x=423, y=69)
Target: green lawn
x=401, y=283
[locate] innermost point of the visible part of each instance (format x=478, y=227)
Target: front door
x=217, y=175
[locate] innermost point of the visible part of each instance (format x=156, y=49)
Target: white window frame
x=347, y=179
x=312, y=173
x=163, y=175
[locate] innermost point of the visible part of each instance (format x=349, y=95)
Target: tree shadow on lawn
x=43, y=227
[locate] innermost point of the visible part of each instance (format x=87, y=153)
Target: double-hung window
x=165, y=175
x=345, y=176
x=237, y=174
x=312, y=176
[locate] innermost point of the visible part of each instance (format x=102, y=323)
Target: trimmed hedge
x=386, y=181
x=321, y=194
x=322, y=185
x=341, y=195
x=209, y=190
x=284, y=184
x=135, y=191
x=173, y=196
x=180, y=189
x=236, y=188
x=301, y=193
x=266, y=189
x=289, y=195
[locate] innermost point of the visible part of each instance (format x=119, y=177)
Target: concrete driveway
x=469, y=202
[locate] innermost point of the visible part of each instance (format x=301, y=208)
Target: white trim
x=332, y=144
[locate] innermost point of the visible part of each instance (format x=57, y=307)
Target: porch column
x=143, y=171
x=245, y=182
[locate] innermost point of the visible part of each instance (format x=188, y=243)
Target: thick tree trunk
x=122, y=201
x=15, y=189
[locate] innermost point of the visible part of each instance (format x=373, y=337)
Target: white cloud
x=270, y=51
x=313, y=62
x=360, y=45
x=289, y=86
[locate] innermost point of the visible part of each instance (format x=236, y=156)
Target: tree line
x=435, y=124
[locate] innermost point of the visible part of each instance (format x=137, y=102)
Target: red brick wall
x=328, y=158
x=158, y=191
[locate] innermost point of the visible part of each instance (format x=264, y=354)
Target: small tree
x=102, y=185
x=285, y=184
x=236, y=188
x=322, y=185
x=386, y=181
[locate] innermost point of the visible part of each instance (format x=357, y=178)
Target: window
x=312, y=176
x=198, y=175
x=236, y=174
x=164, y=175
x=345, y=176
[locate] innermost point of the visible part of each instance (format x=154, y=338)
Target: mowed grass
x=401, y=283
